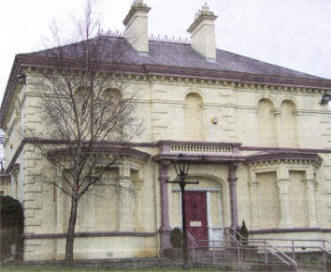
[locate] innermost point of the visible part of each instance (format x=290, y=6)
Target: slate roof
x=168, y=59
x=179, y=55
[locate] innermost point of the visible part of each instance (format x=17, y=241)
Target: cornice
x=136, y=8
x=172, y=74
x=210, y=17
x=89, y=234
x=105, y=150
x=284, y=149
x=200, y=158
x=103, y=145
x=291, y=230
x=286, y=157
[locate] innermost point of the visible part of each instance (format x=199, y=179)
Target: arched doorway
x=204, y=205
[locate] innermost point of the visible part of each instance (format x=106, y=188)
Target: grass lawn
x=63, y=269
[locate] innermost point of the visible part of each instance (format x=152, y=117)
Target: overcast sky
x=291, y=33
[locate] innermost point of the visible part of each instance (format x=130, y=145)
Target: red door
x=196, y=216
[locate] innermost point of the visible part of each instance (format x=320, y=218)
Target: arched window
x=193, y=117
x=82, y=98
x=266, y=123
x=288, y=124
x=111, y=113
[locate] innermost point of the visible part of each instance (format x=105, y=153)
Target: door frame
x=208, y=190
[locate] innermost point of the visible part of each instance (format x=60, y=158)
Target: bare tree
x=83, y=109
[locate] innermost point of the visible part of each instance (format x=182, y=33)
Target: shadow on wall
x=12, y=226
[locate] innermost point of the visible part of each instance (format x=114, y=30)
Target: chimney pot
x=136, y=23
x=203, y=33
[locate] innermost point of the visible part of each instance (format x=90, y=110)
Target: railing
x=295, y=247
x=200, y=148
x=194, y=244
x=239, y=251
x=234, y=253
x=214, y=148
x=267, y=247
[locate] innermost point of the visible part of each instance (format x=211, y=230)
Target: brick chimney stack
x=203, y=33
x=136, y=23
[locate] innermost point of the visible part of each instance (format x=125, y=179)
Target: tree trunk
x=69, y=253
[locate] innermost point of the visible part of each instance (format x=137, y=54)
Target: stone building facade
x=257, y=136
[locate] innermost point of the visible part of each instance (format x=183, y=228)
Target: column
x=255, y=212
x=233, y=195
x=283, y=180
x=138, y=204
x=311, y=204
x=125, y=203
x=165, y=226
x=277, y=129
x=88, y=205
x=285, y=218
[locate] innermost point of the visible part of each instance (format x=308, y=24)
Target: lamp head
x=181, y=165
x=326, y=98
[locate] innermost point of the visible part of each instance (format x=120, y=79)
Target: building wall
x=172, y=110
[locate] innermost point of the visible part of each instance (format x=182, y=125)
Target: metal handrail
x=283, y=254
x=276, y=252
x=193, y=243
x=299, y=240
x=277, y=255
x=266, y=248
x=326, y=250
x=192, y=239
x=239, y=234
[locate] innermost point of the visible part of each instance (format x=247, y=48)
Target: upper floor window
x=267, y=123
x=193, y=117
x=288, y=124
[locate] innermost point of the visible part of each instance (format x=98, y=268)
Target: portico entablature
x=270, y=159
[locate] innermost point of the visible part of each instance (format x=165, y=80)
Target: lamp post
x=182, y=166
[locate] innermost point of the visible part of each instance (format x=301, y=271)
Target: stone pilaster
x=278, y=137
x=165, y=226
x=255, y=212
x=285, y=218
x=311, y=204
x=88, y=223
x=125, y=200
x=138, y=206
x=233, y=195
x=283, y=178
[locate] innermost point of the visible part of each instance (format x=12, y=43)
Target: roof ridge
x=170, y=39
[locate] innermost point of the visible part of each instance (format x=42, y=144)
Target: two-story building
x=256, y=134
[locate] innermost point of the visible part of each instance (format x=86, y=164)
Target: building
x=257, y=136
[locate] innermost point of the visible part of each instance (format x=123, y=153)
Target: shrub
x=244, y=233
x=176, y=238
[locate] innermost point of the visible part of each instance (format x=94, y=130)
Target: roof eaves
x=10, y=84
